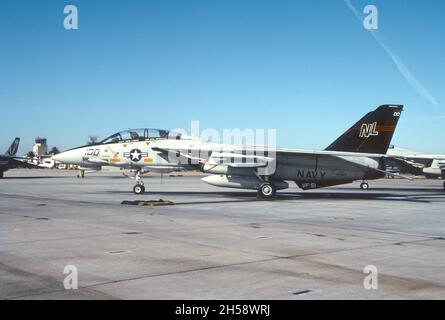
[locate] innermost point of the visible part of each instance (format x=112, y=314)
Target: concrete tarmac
x=217, y=243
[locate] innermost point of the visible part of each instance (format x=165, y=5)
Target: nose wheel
x=364, y=185
x=139, y=189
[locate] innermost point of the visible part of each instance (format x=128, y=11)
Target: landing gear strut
x=81, y=174
x=139, y=188
x=364, y=185
x=267, y=190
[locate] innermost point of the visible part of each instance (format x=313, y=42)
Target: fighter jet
x=10, y=161
x=417, y=163
x=358, y=154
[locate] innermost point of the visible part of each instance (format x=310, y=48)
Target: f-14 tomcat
x=418, y=163
x=358, y=154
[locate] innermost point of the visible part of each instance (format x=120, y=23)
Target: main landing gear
x=364, y=185
x=266, y=190
x=444, y=185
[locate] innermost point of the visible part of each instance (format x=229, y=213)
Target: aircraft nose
x=68, y=157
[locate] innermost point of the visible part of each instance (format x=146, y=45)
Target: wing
x=251, y=158
x=407, y=165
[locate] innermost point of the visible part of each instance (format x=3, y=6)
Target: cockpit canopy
x=141, y=135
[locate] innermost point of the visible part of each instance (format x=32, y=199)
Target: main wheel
x=444, y=185
x=1, y=174
x=267, y=190
x=139, y=189
x=364, y=186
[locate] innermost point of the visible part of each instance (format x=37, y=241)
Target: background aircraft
x=358, y=154
x=417, y=163
x=10, y=161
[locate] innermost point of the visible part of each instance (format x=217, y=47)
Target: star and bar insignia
x=135, y=155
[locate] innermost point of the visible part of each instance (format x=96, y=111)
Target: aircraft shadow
x=192, y=193
x=228, y=197
x=375, y=196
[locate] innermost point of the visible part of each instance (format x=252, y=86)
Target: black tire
x=364, y=186
x=444, y=185
x=139, y=189
x=267, y=190
x=1, y=174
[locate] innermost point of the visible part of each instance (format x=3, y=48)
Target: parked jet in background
x=10, y=161
x=359, y=154
x=417, y=163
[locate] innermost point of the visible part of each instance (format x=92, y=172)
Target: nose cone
x=69, y=157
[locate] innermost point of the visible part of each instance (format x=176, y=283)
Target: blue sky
x=306, y=68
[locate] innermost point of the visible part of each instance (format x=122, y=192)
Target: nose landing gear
x=139, y=188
